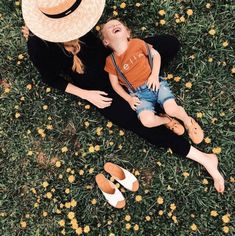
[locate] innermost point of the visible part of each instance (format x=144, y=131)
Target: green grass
x=160, y=172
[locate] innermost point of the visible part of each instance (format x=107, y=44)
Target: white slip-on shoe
x=110, y=192
x=123, y=176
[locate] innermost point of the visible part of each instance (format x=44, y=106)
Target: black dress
x=53, y=62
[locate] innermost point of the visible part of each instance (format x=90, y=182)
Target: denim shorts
x=150, y=98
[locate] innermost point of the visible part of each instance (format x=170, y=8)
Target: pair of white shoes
x=109, y=190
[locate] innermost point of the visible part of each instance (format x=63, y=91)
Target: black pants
x=121, y=113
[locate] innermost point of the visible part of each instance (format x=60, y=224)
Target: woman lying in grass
x=61, y=43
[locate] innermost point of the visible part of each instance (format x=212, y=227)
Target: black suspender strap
x=149, y=56
x=123, y=77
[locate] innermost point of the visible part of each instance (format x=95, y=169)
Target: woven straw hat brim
x=71, y=27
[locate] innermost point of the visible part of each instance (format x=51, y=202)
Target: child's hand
x=134, y=102
x=153, y=83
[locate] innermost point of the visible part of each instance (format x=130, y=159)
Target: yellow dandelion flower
x=170, y=76
x=81, y=172
x=109, y=124
x=93, y=201
x=36, y=205
x=188, y=85
x=128, y=226
x=45, y=184
x=138, y=198
x=174, y=219
x=160, y=213
x=86, y=229
x=225, y=44
x=29, y=86
x=173, y=206
x=71, y=178
x=233, y=70
x=127, y=218
x=199, y=114
x=48, y=90
x=45, y=213
x=115, y=13
x=79, y=231
x=17, y=115
x=58, y=164
x=177, y=20
x=177, y=79
x=160, y=200
x=194, y=227
x=136, y=227
x=64, y=149
x=67, y=204
x=23, y=224
x=71, y=215
x=225, y=229
x=91, y=149
x=205, y=181
x=58, y=211
x=214, y=213
x=49, y=195
x=86, y=123
x=162, y=22
x=45, y=107
x=50, y=127
x=182, y=19
x=61, y=223
x=121, y=133
x=7, y=90
x=109, y=222
x=226, y=218
x=210, y=59
x=185, y=174
x=207, y=140
x=216, y=150
x=208, y=5
x=30, y=153
x=97, y=28
x=212, y=32
x=137, y=173
x=73, y=203
x=137, y=4
x=169, y=214
x=99, y=131
x=87, y=107
x=232, y=180
x=189, y=12
x=97, y=148
x=161, y=12
x=147, y=218
x=123, y=5
x=111, y=234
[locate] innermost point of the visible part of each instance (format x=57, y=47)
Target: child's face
x=113, y=30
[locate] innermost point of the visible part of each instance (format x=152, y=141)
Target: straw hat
x=61, y=20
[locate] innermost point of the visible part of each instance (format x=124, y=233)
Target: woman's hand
x=153, y=83
x=98, y=98
x=25, y=32
x=134, y=102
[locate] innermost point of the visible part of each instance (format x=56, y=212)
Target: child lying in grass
x=136, y=65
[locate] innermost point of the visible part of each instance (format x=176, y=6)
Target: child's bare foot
x=211, y=165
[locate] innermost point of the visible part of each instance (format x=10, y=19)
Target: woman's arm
x=132, y=100
x=98, y=98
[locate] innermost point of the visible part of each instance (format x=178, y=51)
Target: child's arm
x=132, y=100
x=153, y=80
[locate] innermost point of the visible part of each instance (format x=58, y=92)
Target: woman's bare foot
x=211, y=165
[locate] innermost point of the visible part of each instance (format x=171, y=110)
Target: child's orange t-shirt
x=133, y=63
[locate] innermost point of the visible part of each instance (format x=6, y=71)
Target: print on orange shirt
x=133, y=63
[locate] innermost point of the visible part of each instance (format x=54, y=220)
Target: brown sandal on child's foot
x=174, y=125
x=195, y=132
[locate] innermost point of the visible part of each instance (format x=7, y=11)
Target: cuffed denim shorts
x=150, y=98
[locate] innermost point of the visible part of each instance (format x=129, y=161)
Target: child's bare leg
x=172, y=109
x=210, y=162
x=149, y=119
